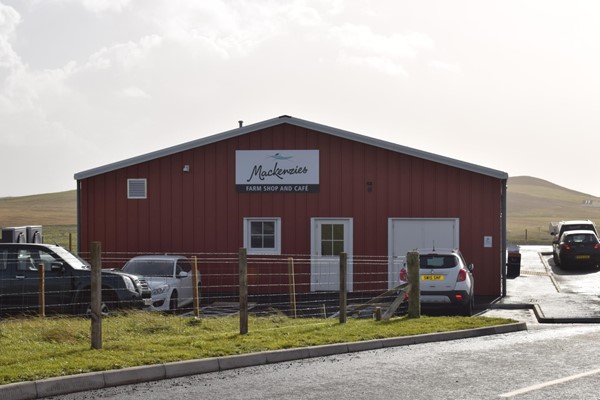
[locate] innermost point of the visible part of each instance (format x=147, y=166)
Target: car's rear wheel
x=467, y=309
x=562, y=264
x=173, y=302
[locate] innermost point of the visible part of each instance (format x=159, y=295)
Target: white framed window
x=262, y=235
x=136, y=188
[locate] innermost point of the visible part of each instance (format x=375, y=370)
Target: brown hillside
x=43, y=209
x=533, y=203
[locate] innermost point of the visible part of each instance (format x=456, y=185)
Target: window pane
x=338, y=247
x=256, y=242
x=326, y=248
x=269, y=228
x=185, y=265
x=326, y=232
x=256, y=228
x=338, y=232
x=269, y=241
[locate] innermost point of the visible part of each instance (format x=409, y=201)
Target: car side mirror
x=182, y=274
x=56, y=266
x=471, y=267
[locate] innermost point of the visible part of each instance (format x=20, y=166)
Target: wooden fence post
x=96, y=296
x=196, y=291
x=243, y=291
x=292, y=282
x=414, y=292
x=42, y=290
x=343, y=291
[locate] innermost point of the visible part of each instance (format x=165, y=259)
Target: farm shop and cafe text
x=277, y=171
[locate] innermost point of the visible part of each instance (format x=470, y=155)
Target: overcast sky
x=509, y=85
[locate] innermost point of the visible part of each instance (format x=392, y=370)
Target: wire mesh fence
x=292, y=285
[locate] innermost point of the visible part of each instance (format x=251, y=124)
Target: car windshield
x=149, y=267
x=73, y=260
x=577, y=227
x=438, y=261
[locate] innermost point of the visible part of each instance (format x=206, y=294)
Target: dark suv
x=67, y=281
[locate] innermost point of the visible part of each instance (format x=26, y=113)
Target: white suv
x=446, y=280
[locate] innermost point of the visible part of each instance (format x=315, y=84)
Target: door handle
x=20, y=277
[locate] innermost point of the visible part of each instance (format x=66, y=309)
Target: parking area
x=545, y=293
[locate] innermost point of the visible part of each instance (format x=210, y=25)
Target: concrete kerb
x=539, y=314
x=99, y=380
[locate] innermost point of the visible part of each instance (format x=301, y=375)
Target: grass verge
x=34, y=349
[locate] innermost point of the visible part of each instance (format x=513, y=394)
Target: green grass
x=35, y=348
x=63, y=235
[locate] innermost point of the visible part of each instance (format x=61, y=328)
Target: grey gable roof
x=285, y=119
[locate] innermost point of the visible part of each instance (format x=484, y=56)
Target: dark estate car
x=557, y=229
x=577, y=248
x=67, y=281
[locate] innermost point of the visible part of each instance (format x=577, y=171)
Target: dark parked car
x=557, y=230
x=67, y=281
x=577, y=248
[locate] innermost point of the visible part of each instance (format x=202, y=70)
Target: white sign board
x=487, y=241
x=277, y=171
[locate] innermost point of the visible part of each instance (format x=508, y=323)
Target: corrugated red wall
x=201, y=211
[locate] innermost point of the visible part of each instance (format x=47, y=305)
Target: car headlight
x=160, y=289
x=129, y=284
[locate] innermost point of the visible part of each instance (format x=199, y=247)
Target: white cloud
x=124, y=55
x=379, y=64
x=362, y=38
x=9, y=19
x=100, y=6
x=360, y=45
x=444, y=66
x=134, y=92
x=94, y=6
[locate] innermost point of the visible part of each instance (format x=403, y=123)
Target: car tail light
x=459, y=297
x=462, y=275
x=597, y=246
x=404, y=275
x=566, y=247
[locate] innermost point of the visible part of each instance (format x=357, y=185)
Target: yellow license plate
x=432, y=277
x=582, y=257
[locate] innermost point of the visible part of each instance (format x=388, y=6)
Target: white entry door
x=407, y=234
x=330, y=237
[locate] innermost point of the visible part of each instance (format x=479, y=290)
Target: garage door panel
x=407, y=234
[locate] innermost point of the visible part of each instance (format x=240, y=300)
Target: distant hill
x=531, y=197
x=41, y=209
x=532, y=204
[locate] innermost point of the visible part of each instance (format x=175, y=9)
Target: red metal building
x=290, y=186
